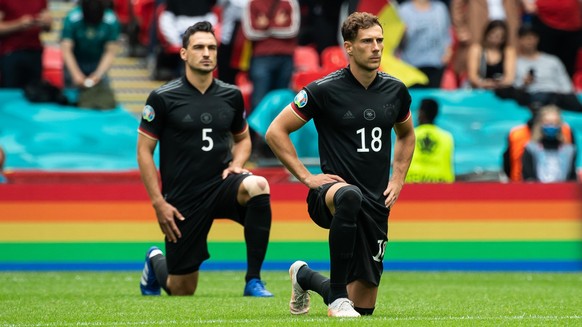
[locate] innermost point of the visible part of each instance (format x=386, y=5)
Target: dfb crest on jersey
x=369, y=114
x=148, y=113
x=206, y=118
x=300, y=99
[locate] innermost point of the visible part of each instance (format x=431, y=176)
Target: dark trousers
x=435, y=76
x=20, y=68
x=565, y=101
x=269, y=73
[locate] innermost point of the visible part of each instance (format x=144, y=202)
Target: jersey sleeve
x=239, y=123
x=113, y=26
x=404, y=111
x=152, y=117
x=306, y=103
x=67, y=31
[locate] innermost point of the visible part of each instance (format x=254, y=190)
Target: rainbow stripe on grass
x=486, y=227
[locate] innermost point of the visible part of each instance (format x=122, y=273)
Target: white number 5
x=206, y=137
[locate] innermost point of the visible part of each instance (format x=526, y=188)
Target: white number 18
x=376, y=143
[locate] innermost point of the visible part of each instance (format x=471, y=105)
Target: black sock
x=160, y=270
x=365, y=311
x=314, y=281
x=257, y=228
x=342, y=238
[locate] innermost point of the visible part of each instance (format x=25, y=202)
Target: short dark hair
x=526, y=29
x=430, y=108
x=93, y=11
x=358, y=21
x=203, y=26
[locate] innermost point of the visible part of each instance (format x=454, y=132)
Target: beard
x=202, y=70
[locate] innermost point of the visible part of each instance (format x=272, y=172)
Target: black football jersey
x=194, y=131
x=354, y=126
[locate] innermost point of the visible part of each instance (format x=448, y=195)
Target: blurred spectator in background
x=2, y=160
x=491, y=63
x=427, y=42
x=517, y=139
x=181, y=14
x=469, y=18
x=272, y=26
x=541, y=78
x=559, y=26
x=320, y=21
x=21, y=22
x=89, y=43
x=231, y=39
x=432, y=161
x=548, y=158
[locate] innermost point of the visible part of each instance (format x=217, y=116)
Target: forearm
x=509, y=66
x=403, y=150
x=149, y=176
x=10, y=27
x=458, y=16
x=106, y=60
x=284, y=149
x=473, y=63
x=70, y=60
x=241, y=152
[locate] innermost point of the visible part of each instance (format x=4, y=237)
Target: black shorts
x=371, y=239
x=218, y=201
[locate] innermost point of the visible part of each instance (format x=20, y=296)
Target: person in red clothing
x=272, y=26
x=559, y=26
x=21, y=23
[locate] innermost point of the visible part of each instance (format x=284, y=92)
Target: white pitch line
x=255, y=321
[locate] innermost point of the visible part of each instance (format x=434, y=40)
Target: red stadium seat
x=449, y=80
x=52, y=66
x=333, y=58
x=305, y=58
x=577, y=80
x=300, y=79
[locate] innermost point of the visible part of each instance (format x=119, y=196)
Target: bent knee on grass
x=182, y=285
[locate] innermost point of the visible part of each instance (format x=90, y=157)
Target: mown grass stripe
x=214, y=265
x=315, y=251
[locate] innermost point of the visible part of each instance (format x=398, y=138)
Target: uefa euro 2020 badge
x=148, y=113
x=300, y=99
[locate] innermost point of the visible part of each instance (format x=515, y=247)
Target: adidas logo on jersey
x=187, y=119
x=348, y=115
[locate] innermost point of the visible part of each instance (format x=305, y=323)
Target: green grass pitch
x=405, y=299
